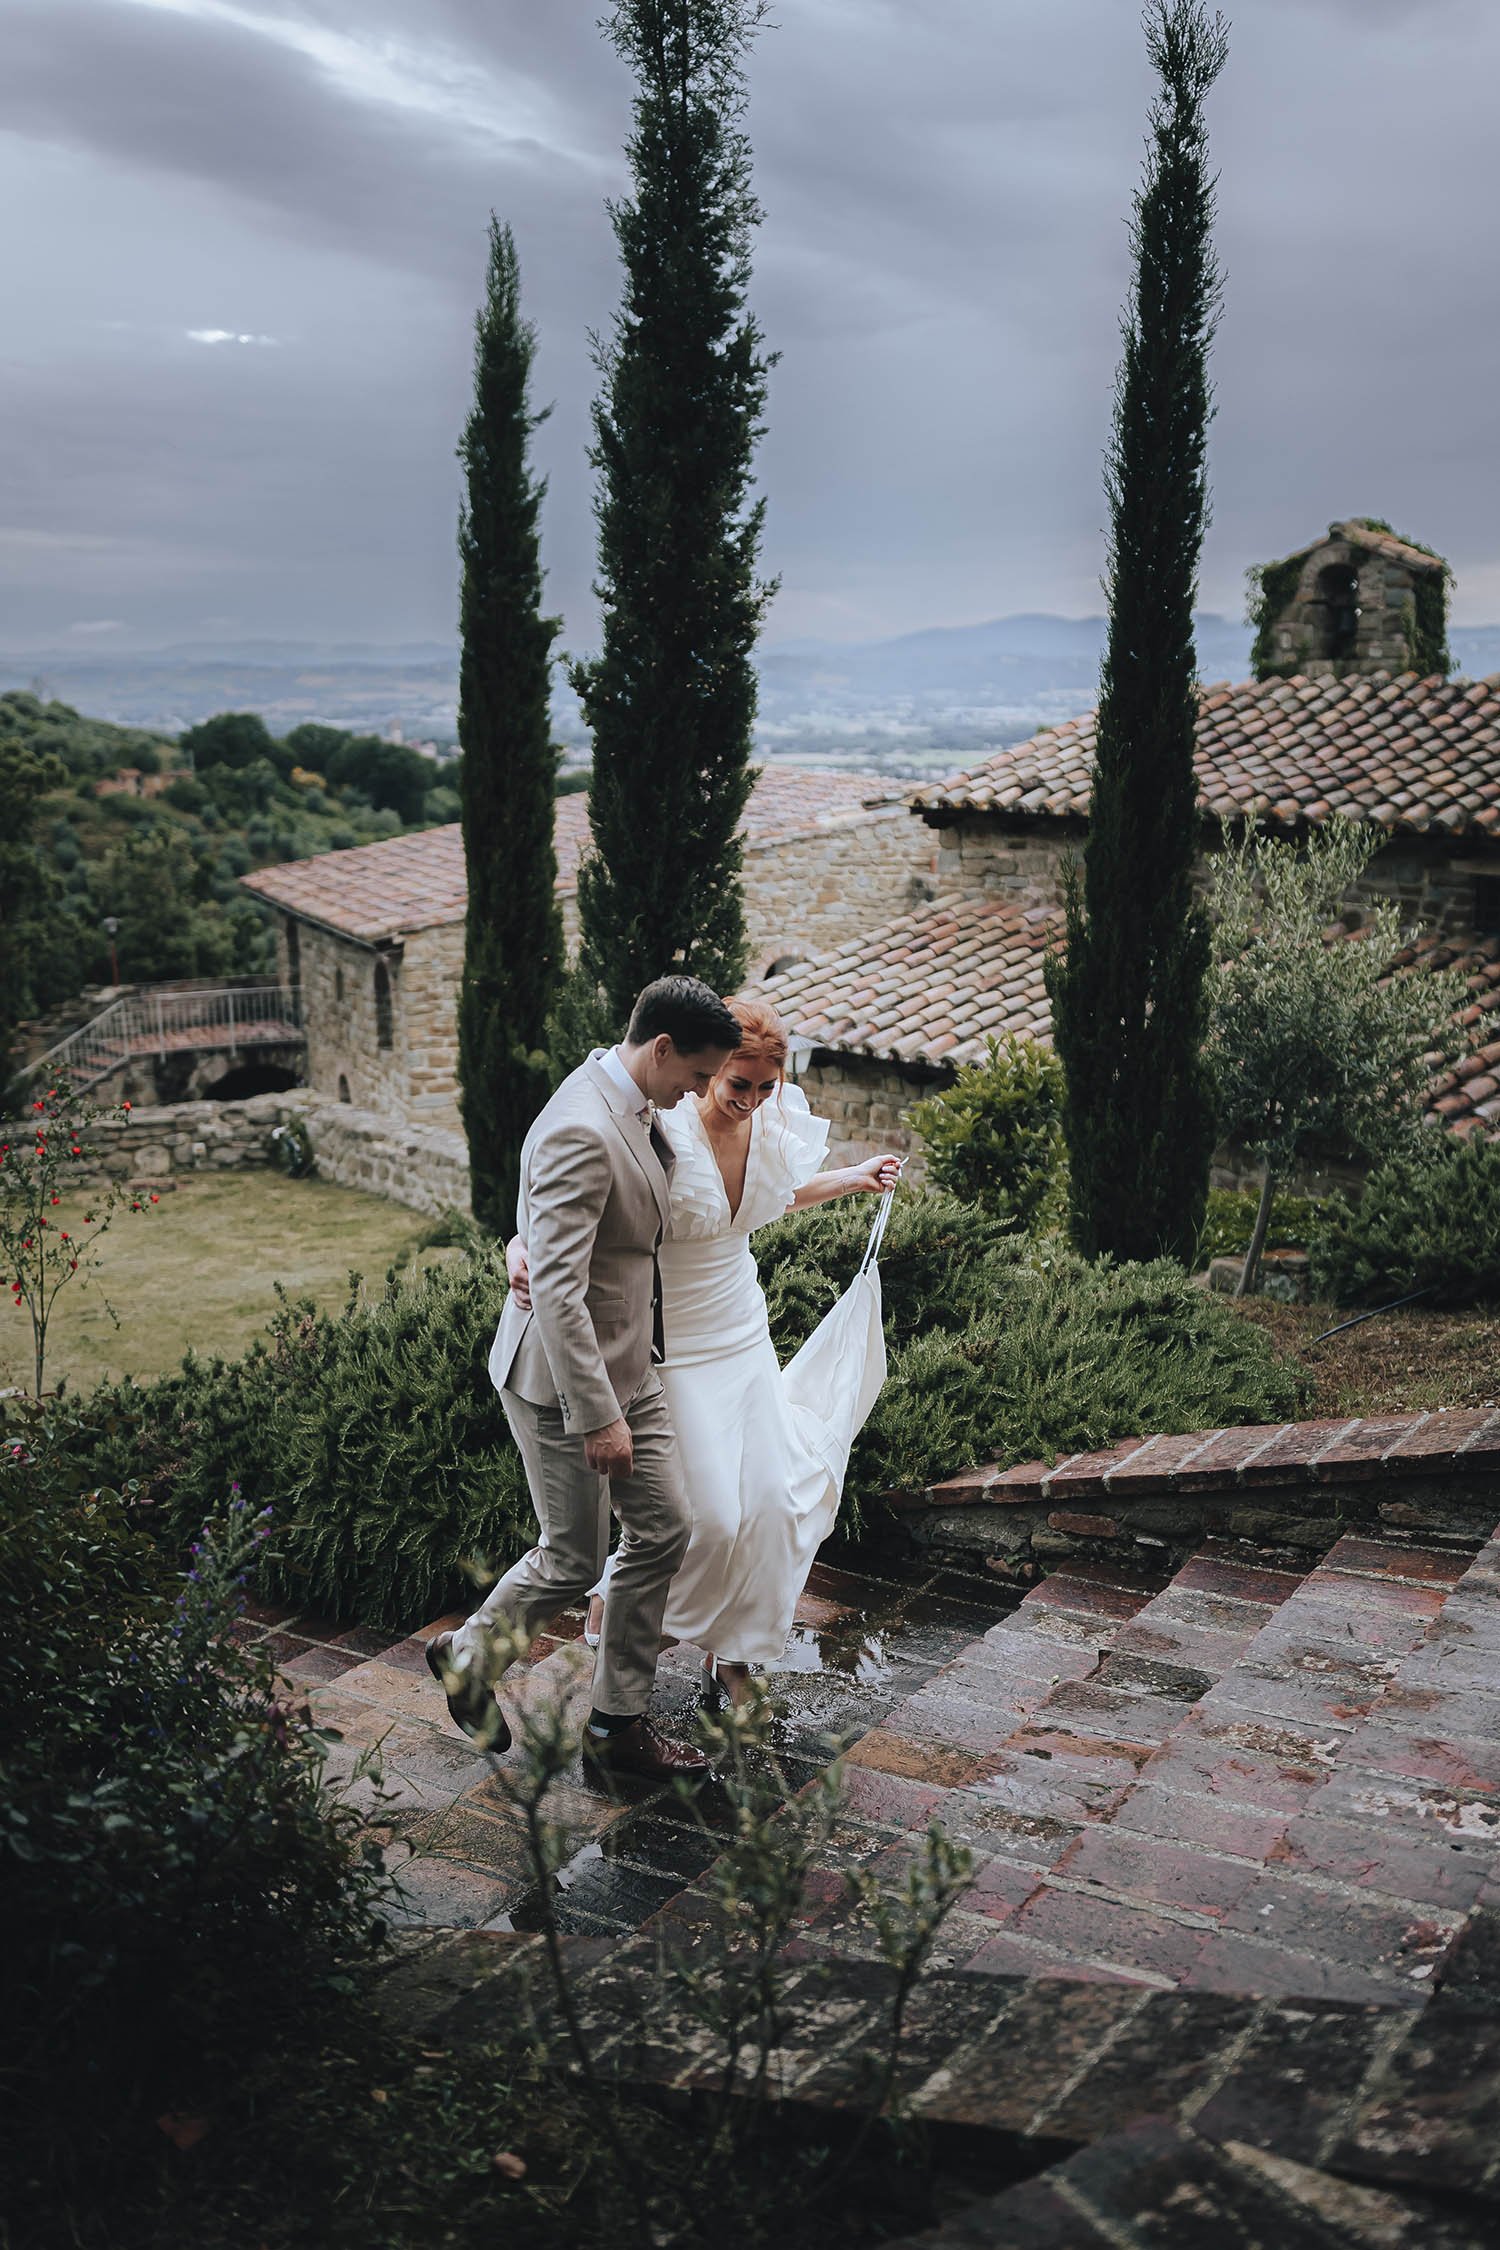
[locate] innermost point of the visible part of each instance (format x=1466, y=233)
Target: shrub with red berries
x=49, y=1159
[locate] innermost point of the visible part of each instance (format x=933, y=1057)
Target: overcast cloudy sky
x=245, y=238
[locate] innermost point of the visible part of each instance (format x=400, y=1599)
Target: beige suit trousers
x=573, y=1504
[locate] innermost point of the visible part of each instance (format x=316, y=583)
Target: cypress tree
x=1127, y=998
x=670, y=698
x=513, y=938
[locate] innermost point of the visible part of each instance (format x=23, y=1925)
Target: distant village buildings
x=372, y=938
x=130, y=781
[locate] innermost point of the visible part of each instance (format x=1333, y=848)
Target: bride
x=763, y=1448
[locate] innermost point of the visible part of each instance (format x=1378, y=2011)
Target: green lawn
x=199, y=1269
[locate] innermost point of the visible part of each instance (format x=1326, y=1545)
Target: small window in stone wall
x=344, y=1093
x=338, y=984
x=1487, y=904
x=293, y=955
x=384, y=1022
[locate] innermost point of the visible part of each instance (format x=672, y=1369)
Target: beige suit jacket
x=592, y=1209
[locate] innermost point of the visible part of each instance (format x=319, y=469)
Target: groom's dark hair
x=688, y=1011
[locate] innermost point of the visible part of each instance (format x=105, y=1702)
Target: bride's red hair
x=762, y=1031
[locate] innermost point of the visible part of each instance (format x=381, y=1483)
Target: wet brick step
x=1402, y=2105
x=1163, y=2187
x=863, y=1642
x=1254, y=1780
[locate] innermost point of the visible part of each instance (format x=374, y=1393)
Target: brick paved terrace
x=862, y=1644
x=1231, y=1947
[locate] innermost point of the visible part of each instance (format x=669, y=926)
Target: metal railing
x=168, y=1021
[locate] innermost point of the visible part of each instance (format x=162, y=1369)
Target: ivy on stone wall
x=1426, y=623
x=1269, y=587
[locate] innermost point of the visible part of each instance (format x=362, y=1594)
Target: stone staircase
x=1250, y=1781
x=1229, y=1964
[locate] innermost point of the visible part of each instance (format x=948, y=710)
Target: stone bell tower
x=1361, y=600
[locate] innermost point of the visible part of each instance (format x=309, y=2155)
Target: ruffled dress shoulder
x=787, y=1146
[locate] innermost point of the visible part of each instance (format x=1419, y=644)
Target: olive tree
x=1316, y=1039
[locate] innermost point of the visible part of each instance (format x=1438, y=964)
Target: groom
x=577, y=1378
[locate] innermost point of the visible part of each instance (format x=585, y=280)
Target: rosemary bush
x=1006, y=1350
x=377, y=1437
x=375, y=1433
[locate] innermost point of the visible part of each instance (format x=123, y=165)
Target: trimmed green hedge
x=1428, y=1219
x=995, y=1136
x=378, y=1439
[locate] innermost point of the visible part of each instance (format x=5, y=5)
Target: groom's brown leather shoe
x=471, y=1703
x=639, y=1749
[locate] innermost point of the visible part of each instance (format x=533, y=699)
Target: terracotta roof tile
x=1465, y=1097
x=930, y=987
x=1408, y=754
x=933, y=986
x=375, y=892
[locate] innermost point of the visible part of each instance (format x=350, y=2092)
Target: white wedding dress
x=764, y=1448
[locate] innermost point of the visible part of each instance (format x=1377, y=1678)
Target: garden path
x=1253, y=1777
x=1229, y=1964
x=863, y=1644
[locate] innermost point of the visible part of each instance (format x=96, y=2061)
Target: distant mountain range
x=906, y=705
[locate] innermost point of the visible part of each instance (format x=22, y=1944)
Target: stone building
x=373, y=938
x=894, y=1012
x=1361, y=600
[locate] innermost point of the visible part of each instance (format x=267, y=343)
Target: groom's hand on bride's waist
x=611, y=1450
x=518, y=1268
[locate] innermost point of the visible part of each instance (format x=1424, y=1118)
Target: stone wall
x=1430, y=883
x=977, y=858
x=337, y=980
x=415, y=1165
x=808, y=895
x=1153, y=1501
x=865, y=1102
x=416, y=1075
x=427, y=1024
x=1423, y=875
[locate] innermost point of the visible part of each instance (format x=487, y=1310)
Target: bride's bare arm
x=517, y=1267
x=873, y=1177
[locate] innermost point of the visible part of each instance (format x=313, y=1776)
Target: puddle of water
x=860, y=1655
